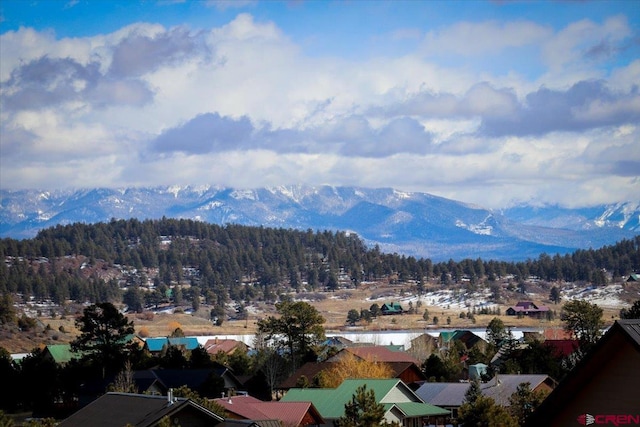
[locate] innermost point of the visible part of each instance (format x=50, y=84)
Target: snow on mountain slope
x=417, y=224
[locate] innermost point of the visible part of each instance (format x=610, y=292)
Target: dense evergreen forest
x=244, y=264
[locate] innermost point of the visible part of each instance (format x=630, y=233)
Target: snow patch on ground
x=447, y=298
x=604, y=296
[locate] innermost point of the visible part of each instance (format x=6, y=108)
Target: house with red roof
x=226, y=346
x=289, y=414
x=374, y=353
x=528, y=308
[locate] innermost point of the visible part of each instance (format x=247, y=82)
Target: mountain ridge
x=410, y=223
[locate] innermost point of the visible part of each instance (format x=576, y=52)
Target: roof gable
x=375, y=354
x=607, y=373
x=330, y=402
x=119, y=409
x=155, y=344
x=61, y=353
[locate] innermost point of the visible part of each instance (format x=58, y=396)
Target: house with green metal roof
x=401, y=404
x=60, y=353
x=391, y=308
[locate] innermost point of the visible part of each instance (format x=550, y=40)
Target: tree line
x=243, y=263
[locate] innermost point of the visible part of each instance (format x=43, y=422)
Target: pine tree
x=362, y=410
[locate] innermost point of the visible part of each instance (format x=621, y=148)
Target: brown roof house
x=408, y=372
x=140, y=410
x=423, y=346
x=528, y=308
x=603, y=387
x=226, y=346
x=286, y=414
x=374, y=353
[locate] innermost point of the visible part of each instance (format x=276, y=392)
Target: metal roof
x=330, y=402
x=632, y=328
x=499, y=389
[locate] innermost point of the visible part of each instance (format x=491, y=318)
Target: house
x=562, y=348
x=401, y=404
x=226, y=346
x=603, y=387
x=477, y=371
x=160, y=381
x=391, y=308
x=527, y=308
x=634, y=278
x=500, y=388
x=157, y=345
x=121, y=409
x=290, y=414
x=374, y=353
x=556, y=334
x=423, y=346
x=466, y=337
x=60, y=353
x=408, y=372
x=337, y=341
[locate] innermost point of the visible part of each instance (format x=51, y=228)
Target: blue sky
x=489, y=102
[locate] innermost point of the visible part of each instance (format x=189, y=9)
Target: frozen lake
x=374, y=337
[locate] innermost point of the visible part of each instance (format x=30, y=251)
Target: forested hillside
x=220, y=264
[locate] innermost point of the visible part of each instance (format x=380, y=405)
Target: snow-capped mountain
x=416, y=224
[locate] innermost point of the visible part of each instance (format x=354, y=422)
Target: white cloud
x=585, y=41
x=243, y=105
x=483, y=38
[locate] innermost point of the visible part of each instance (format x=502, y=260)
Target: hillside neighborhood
x=181, y=323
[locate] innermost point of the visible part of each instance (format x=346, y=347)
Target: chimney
x=170, y=397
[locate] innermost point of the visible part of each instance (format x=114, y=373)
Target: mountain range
x=410, y=223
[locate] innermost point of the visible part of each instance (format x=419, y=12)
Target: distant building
x=466, y=337
x=226, y=346
x=528, y=308
x=391, y=308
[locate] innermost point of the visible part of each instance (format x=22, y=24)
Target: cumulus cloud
x=47, y=82
x=585, y=40
x=585, y=105
x=147, y=105
x=204, y=134
x=139, y=54
x=348, y=136
x=484, y=38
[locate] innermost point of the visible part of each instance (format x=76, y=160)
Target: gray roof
x=140, y=410
x=632, y=328
x=452, y=394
